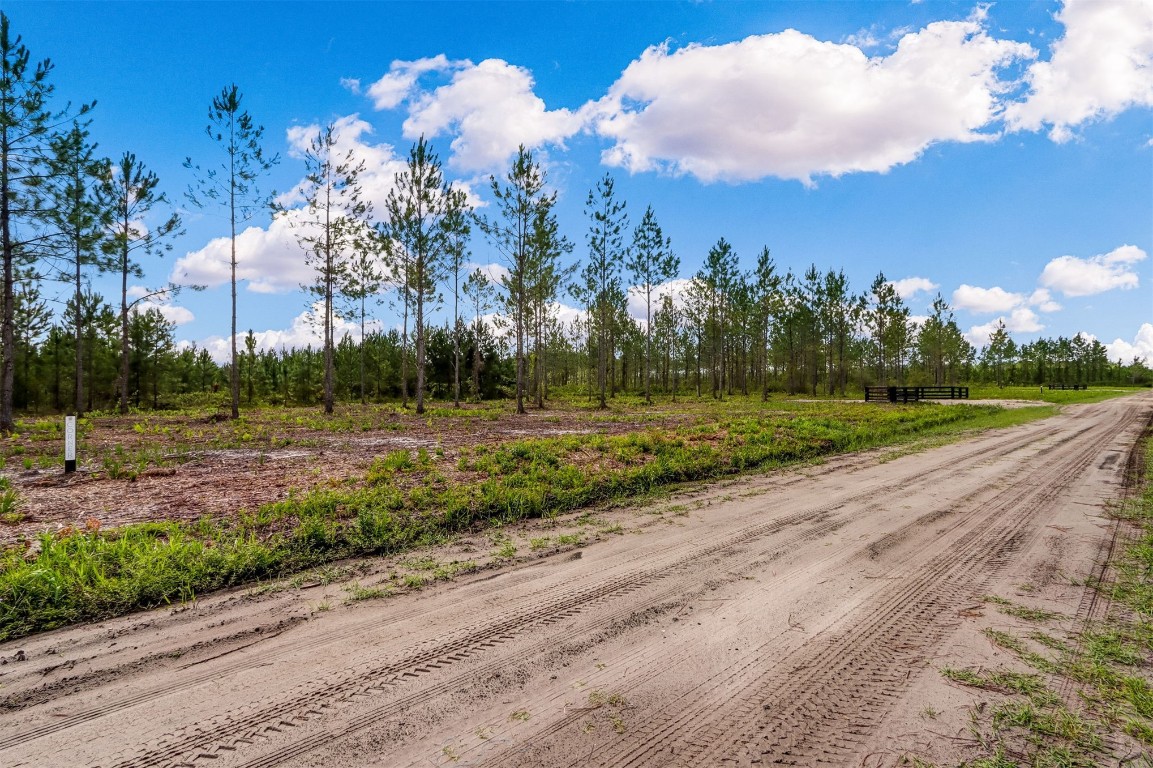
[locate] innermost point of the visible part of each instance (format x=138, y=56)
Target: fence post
x=69, y=444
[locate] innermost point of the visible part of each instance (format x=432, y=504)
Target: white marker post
x=69, y=444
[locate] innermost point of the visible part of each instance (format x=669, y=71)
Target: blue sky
x=999, y=154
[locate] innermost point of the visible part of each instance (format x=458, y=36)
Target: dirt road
x=798, y=617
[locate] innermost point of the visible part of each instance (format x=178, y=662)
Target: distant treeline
x=161, y=375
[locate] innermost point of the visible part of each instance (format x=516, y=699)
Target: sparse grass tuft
x=1009, y=608
x=356, y=592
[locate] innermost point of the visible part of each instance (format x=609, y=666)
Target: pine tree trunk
x=363, y=385
x=540, y=357
x=234, y=373
x=520, y=332
x=79, y=338
x=420, y=341
x=476, y=359
x=404, y=354
x=8, y=308
x=124, y=318
x=329, y=398
x=456, y=339
x=648, y=343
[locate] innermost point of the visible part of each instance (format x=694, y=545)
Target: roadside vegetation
x=1086, y=697
x=412, y=498
x=1041, y=393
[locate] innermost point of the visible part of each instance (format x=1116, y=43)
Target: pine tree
x=33, y=319
x=478, y=289
x=651, y=262
x=666, y=326
x=232, y=184
x=329, y=226
x=718, y=275
x=26, y=126
x=608, y=223
x=362, y=279
x=766, y=295
x=1000, y=351
x=457, y=229
x=421, y=219
x=840, y=314
x=81, y=218
x=133, y=192
x=510, y=231
x=888, y=320
x=547, y=275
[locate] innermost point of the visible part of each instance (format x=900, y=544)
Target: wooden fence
x=913, y=394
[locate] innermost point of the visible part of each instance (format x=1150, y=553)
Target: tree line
x=67, y=214
x=165, y=375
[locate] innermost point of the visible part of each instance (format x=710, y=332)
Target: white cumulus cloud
x=1085, y=277
x=792, y=106
x=1043, y=300
x=350, y=135
x=489, y=108
x=1020, y=320
x=1141, y=346
x=996, y=299
x=161, y=300
x=393, y=88
x=985, y=300
x=674, y=289
x=268, y=258
x=496, y=273
x=911, y=286
x=173, y=313
x=1102, y=65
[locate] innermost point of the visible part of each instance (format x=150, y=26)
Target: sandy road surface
x=794, y=618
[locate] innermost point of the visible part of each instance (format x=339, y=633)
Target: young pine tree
x=133, y=192
x=231, y=183
x=651, y=262
x=329, y=225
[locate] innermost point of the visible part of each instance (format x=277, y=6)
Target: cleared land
x=799, y=616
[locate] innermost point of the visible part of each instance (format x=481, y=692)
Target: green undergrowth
x=414, y=499
x=1109, y=664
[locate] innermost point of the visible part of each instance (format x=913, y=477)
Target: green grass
x=404, y=502
x=356, y=592
x=1010, y=608
x=1108, y=661
x=1057, y=396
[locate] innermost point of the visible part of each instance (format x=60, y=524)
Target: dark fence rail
x=1068, y=386
x=913, y=394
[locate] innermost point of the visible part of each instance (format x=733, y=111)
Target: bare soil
x=172, y=472
x=799, y=617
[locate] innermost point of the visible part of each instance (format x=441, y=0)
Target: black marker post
x=69, y=444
